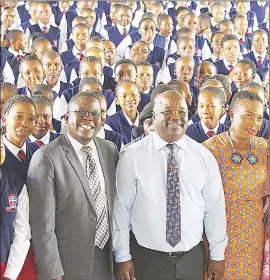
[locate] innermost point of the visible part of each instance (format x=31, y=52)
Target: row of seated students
x=125, y=53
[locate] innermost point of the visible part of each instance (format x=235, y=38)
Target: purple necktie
x=173, y=221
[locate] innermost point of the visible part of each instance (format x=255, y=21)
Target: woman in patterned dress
x=242, y=159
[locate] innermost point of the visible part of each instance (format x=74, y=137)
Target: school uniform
x=195, y=118
x=260, y=60
x=6, y=74
x=245, y=43
x=71, y=61
x=4, y=31
x=214, y=26
x=112, y=136
x=200, y=133
x=15, y=229
x=119, y=122
x=259, y=9
x=109, y=70
x=46, y=139
x=58, y=14
x=24, y=15
x=117, y=33
x=213, y=59
x=13, y=59
x=26, y=24
x=24, y=91
x=266, y=114
x=145, y=99
x=49, y=31
x=12, y=162
x=264, y=26
x=223, y=66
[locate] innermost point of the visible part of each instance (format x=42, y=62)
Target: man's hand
x=125, y=270
x=216, y=270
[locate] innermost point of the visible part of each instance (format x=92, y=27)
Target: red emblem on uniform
x=54, y=43
x=12, y=200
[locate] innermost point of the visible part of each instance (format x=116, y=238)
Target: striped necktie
x=39, y=143
x=173, y=219
x=260, y=61
x=210, y=133
x=102, y=228
x=21, y=155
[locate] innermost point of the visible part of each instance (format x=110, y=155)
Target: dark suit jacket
x=62, y=209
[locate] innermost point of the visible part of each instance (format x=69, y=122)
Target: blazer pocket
x=63, y=243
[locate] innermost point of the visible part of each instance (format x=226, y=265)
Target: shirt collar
x=227, y=63
x=206, y=129
x=75, y=51
x=160, y=143
x=256, y=55
x=78, y=12
x=56, y=88
x=41, y=25
x=77, y=145
x=239, y=36
x=151, y=47
x=101, y=133
x=136, y=123
x=14, y=52
x=121, y=28
x=32, y=22
x=13, y=149
x=45, y=139
x=214, y=58
x=28, y=93
x=223, y=118
x=111, y=66
x=101, y=79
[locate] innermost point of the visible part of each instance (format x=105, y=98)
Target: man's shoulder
x=106, y=144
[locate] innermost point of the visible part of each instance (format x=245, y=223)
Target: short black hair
x=224, y=21
x=144, y=19
x=42, y=87
x=160, y=89
x=162, y=17
x=38, y=41
x=89, y=80
x=30, y=57
x=12, y=35
x=41, y=99
x=16, y=99
x=145, y=63
x=125, y=61
x=244, y=95
x=250, y=63
x=229, y=37
x=215, y=33
x=180, y=9
x=78, y=95
x=217, y=93
x=88, y=59
x=97, y=94
x=184, y=38
x=236, y=17
x=259, y=31
x=225, y=80
x=206, y=79
x=9, y=86
x=190, y=14
x=252, y=84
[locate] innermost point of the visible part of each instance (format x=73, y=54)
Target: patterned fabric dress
x=243, y=188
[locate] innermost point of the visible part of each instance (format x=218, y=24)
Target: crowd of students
x=129, y=52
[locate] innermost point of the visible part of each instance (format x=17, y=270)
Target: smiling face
x=209, y=109
x=191, y=21
x=109, y=51
x=32, y=73
x=124, y=16
x=128, y=97
x=247, y=118
x=43, y=120
x=242, y=74
x=80, y=127
x=139, y=52
x=19, y=122
x=125, y=72
x=170, y=116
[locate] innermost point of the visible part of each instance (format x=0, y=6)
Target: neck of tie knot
x=230, y=68
x=124, y=32
x=210, y=133
x=80, y=56
x=44, y=29
x=19, y=57
x=39, y=143
x=171, y=147
x=21, y=155
x=87, y=150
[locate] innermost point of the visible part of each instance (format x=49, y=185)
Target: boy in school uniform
x=226, y=26
x=15, y=228
x=33, y=15
x=117, y=33
x=265, y=23
x=15, y=52
x=217, y=53
x=7, y=23
x=49, y=31
x=41, y=134
x=32, y=73
x=7, y=90
x=240, y=25
x=218, y=14
x=91, y=18
x=72, y=58
x=60, y=10
x=144, y=82
x=127, y=96
x=211, y=101
x=110, y=57
x=178, y=16
x=259, y=50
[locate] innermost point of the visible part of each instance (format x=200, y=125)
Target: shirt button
x=94, y=219
x=91, y=244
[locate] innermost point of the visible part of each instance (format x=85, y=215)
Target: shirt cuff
x=217, y=250
x=122, y=256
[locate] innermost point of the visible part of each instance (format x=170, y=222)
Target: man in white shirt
x=165, y=205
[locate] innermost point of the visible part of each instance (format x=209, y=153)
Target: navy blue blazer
x=196, y=132
x=116, y=37
x=263, y=27
x=53, y=136
x=23, y=13
x=114, y=137
x=252, y=57
x=14, y=165
x=145, y=99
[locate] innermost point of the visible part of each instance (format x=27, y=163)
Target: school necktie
x=173, y=219
x=63, y=12
x=80, y=56
x=230, y=68
x=210, y=133
x=242, y=42
x=124, y=32
x=19, y=57
x=102, y=228
x=260, y=61
x=21, y=155
x=45, y=30
x=39, y=143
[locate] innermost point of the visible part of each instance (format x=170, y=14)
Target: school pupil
x=110, y=57
x=7, y=90
x=40, y=46
x=211, y=101
x=217, y=53
x=226, y=26
x=32, y=10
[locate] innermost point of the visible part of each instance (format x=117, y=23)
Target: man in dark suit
x=71, y=182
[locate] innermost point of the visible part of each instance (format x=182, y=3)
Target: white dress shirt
x=223, y=118
x=15, y=53
x=45, y=139
x=263, y=55
x=22, y=235
x=140, y=202
x=82, y=157
x=13, y=149
x=120, y=29
x=206, y=129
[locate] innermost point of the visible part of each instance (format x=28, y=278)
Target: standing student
x=7, y=90
x=110, y=57
x=127, y=96
x=211, y=102
x=50, y=32
x=240, y=152
x=166, y=244
x=41, y=134
x=60, y=10
x=78, y=169
x=15, y=228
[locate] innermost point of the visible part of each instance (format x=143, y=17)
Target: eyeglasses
x=169, y=113
x=85, y=114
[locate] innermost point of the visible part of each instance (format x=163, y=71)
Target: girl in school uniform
x=18, y=118
x=15, y=228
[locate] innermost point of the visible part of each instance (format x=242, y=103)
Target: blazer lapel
x=77, y=166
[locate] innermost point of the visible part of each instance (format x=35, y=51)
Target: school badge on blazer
x=54, y=44
x=12, y=200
